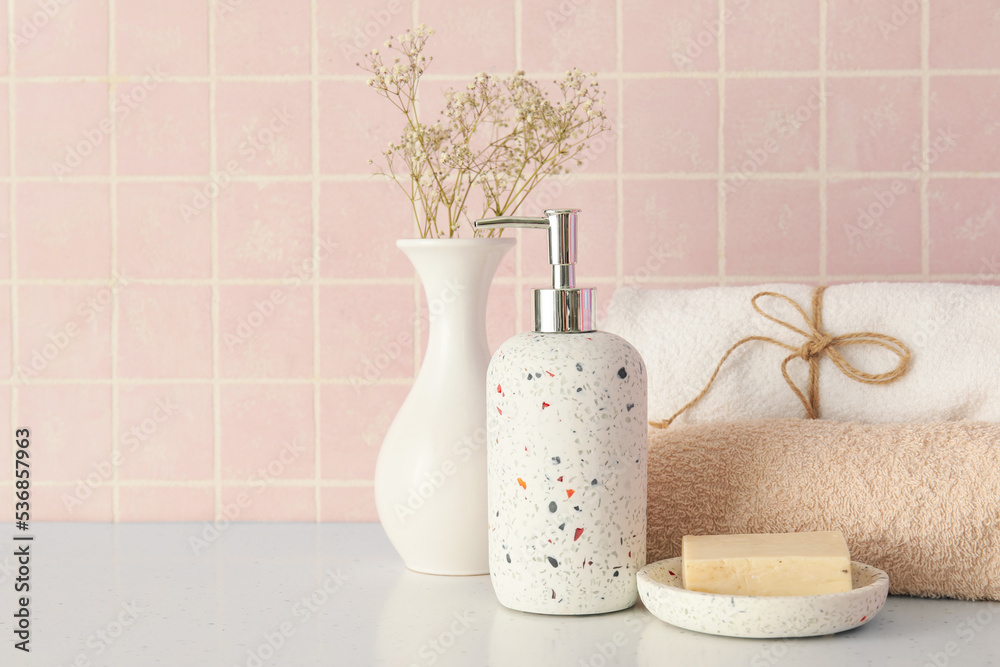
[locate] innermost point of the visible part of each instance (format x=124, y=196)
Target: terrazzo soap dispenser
x=566, y=449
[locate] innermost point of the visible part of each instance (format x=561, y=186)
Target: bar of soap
x=773, y=564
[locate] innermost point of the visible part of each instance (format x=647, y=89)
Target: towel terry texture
x=951, y=330
x=920, y=501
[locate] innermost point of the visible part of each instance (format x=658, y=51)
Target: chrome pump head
x=563, y=308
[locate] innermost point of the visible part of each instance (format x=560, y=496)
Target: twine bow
x=817, y=343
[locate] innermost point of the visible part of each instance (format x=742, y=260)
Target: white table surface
x=249, y=585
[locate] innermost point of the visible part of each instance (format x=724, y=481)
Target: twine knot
x=817, y=344
x=814, y=347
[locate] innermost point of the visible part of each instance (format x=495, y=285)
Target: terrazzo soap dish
x=662, y=591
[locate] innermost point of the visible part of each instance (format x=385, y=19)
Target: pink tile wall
x=196, y=267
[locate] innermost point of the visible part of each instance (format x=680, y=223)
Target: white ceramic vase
x=430, y=478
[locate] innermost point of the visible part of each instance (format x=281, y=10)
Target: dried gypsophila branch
x=498, y=137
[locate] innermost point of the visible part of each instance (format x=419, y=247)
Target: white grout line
x=393, y=282
x=204, y=483
x=541, y=75
x=620, y=147
x=209, y=381
x=518, y=278
x=803, y=74
x=317, y=440
x=113, y=210
x=414, y=281
x=518, y=36
x=575, y=177
x=925, y=141
x=288, y=282
x=750, y=74
x=803, y=175
x=345, y=282
x=214, y=240
x=823, y=138
x=720, y=138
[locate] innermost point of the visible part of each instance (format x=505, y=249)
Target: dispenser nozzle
x=561, y=225
x=564, y=308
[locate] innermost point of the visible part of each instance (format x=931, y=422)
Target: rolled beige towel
x=920, y=501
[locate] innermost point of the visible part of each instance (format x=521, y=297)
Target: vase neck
x=456, y=276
